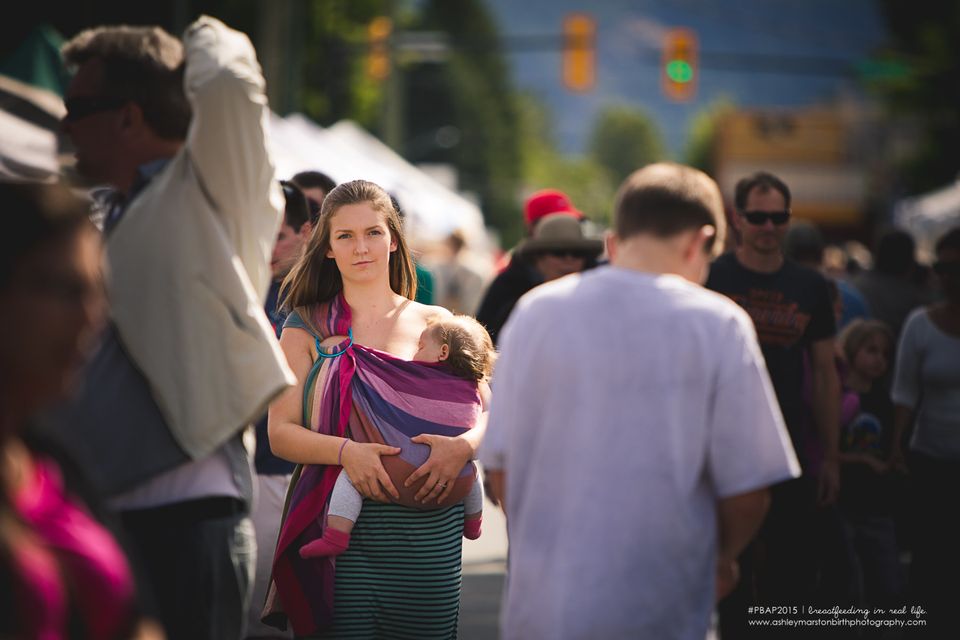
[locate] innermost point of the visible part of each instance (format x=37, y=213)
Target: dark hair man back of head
x=314, y=179
x=895, y=253
x=296, y=211
x=666, y=199
x=315, y=186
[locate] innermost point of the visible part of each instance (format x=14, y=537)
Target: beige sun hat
x=560, y=232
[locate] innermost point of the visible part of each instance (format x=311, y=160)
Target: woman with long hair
x=351, y=297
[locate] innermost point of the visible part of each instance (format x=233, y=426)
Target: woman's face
x=52, y=311
x=360, y=243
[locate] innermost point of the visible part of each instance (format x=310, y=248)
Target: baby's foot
x=471, y=527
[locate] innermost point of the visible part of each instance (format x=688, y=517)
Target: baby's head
x=867, y=346
x=461, y=343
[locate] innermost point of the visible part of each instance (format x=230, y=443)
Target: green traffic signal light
x=679, y=71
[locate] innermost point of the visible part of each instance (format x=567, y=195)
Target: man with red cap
x=556, y=246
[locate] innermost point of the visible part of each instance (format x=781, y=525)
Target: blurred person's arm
x=902, y=419
x=496, y=486
x=227, y=141
x=739, y=518
x=826, y=414
x=293, y=441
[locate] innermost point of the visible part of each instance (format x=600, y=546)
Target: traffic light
x=579, y=52
x=378, y=36
x=678, y=68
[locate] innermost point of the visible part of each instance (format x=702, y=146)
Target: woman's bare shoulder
x=425, y=311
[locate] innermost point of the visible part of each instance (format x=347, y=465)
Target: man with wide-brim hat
x=558, y=247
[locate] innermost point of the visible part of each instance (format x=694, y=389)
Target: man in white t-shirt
x=633, y=430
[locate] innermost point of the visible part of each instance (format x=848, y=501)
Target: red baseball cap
x=547, y=201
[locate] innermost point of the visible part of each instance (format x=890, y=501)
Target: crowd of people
x=255, y=423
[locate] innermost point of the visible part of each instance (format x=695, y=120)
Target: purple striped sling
x=369, y=396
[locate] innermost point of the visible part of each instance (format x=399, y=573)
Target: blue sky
x=628, y=39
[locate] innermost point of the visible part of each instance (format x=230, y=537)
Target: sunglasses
x=948, y=268
x=82, y=106
x=761, y=217
x=567, y=253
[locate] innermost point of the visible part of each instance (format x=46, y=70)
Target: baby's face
x=430, y=349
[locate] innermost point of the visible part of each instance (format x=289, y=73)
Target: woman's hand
x=447, y=458
x=361, y=461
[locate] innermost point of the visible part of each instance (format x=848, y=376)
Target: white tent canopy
x=346, y=152
x=929, y=216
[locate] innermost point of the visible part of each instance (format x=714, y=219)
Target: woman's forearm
x=295, y=443
x=902, y=418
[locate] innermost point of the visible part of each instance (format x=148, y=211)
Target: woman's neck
x=372, y=298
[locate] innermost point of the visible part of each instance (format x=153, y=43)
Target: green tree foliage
x=470, y=93
x=588, y=183
x=702, y=135
x=926, y=40
x=334, y=81
x=624, y=139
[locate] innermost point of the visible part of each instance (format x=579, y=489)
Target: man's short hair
x=764, y=182
x=144, y=65
x=665, y=199
x=314, y=180
x=295, y=212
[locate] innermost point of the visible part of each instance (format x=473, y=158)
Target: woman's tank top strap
x=294, y=321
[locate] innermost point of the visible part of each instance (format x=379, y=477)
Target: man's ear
x=306, y=229
x=610, y=244
x=444, y=352
x=695, y=242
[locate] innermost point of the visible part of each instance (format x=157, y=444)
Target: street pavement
x=484, y=565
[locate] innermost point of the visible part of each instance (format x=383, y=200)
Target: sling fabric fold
x=368, y=396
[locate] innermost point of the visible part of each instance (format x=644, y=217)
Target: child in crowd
x=461, y=345
x=866, y=489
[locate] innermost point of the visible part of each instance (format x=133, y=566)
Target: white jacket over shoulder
x=189, y=260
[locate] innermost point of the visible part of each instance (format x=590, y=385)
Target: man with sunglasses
x=792, y=311
x=177, y=128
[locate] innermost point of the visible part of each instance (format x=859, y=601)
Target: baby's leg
x=345, y=505
x=473, y=511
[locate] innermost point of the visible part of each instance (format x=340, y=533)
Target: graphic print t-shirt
x=790, y=308
x=863, y=490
